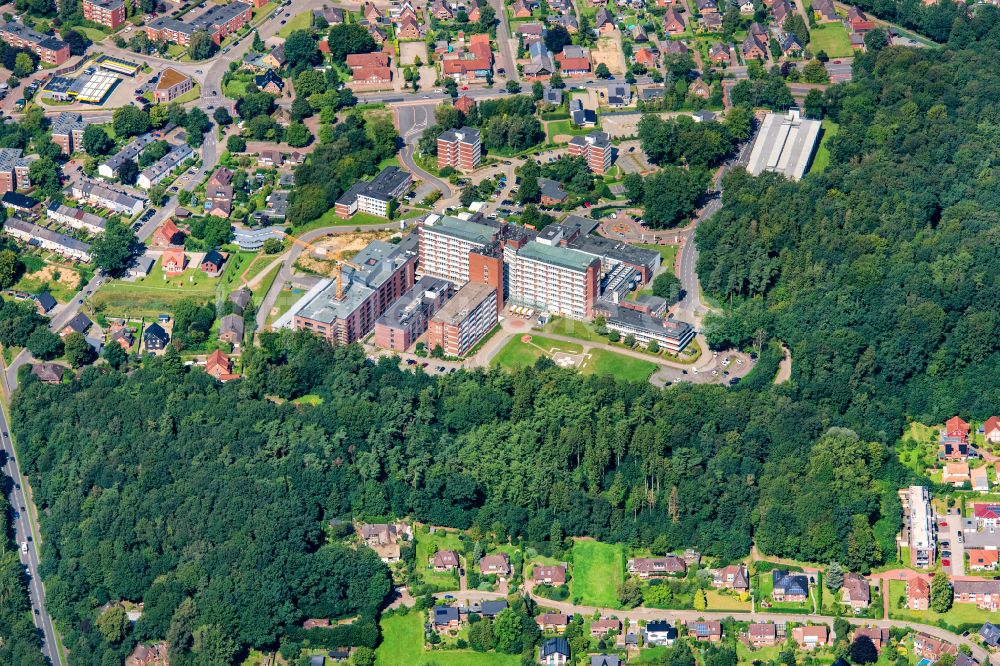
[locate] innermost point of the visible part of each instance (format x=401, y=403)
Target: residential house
x=556, y=622
x=811, y=637
x=780, y=10
x=269, y=82
x=580, y=116
x=78, y=324
x=918, y=593
x=604, y=22
x=553, y=192
x=981, y=559
x=219, y=193
x=788, y=586
x=605, y=660
x=618, y=95
x=465, y=104
x=332, y=15
x=370, y=70
x=656, y=567
x=719, y=54
x=211, y=264
x=856, y=592
x=747, y=8
x=148, y=655
x=270, y=158
x=675, y=47
x=492, y=608
x=705, y=631
x=520, y=9
x=408, y=28
x=791, y=46
x=240, y=299
x=857, y=21
x=985, y=594
x=573, y=61
x=991, y=430
x=673, y=23
x=444, y=618
x=498, y=564
x=168, y=234
x=155, y=338
x=706, y=6
x=38, y=236
x=762, y=634
x=219, y=365
x=645, y=56
x=440, y=10
x=172, y=84
x=44, y=302
x=824, y=11
x=121, y=335
x=659, y=632
x=639, y=34
x=879, y=636
x=471, y=64
x=554, y=652
x=956, y=474
x=444, y=560
x=699, y=88
x=384, y=539
x=48, y=373
x=732, y=577
x=604, y=626
x=570, y=22
x=755, y=46
x=990, y=633
x=231, y=328
x=931, y=648
x=980, y=479
x=549, y=575
x=174, y=261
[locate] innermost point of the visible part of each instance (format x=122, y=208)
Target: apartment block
x=555, y=279
x=14, y=170
x=50, y=50
x=67, y=132
x=406, y=319
x=219, y=21
x=464, y=320
x=346, y=309
x=374, y=196
x=918, y=526
x=446, y=243
x=595, y=148
x=460, y=149
x=172, y=84
x=110, y=13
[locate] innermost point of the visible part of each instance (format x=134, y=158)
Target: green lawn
x=155, y=293
x=93, y=34
x=298, y=22
x=236, y=89
x=604, y=362
x=286, y=299
x=557, y=127
x=310, y=399
x=724, y=602
x=190, y=95
x=573, y=328
x=265, y=285
x=517, y=354
x=958, y=614
x=402, y=643
x=832, y=38
x=426, y=543
x=668, y=253
x=822, y=159
x=598, y=570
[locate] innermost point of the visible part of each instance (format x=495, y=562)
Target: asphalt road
x=411, y=121
x=23, y=533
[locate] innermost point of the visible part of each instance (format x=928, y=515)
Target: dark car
x=734, y=381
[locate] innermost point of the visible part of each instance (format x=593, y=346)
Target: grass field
x=832, y=38
x=93, y=34
x=598, y=570
x=236, y=89
x=572, y=328
x=154, y=294
x=286, y=299
x=725, y=602
x=958, y=614
x=822, y=159
x=402, y=643
x=516, y=354
x=557, y=127
x=426, y=543
x=604, y=362
x=298, y=22
x=668, y=253
x=190, y=95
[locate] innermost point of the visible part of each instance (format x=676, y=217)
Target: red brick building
x=464, y=320
x=596, y=148
x=50, y=50
x=460, y=149
x=110, y=13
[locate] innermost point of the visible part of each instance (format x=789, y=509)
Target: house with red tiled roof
x=879, y=636
x=991, y=430
x=987, y=515
x=956, y=473
x=600, y=628
x=761, y=634
x=472, y=64
x=465, y=104
x=673, y=23
x=931, y=648
x=408, y=28
x=857, y=21
x=549, y=575
x=956, y=426
x=812, y=636
x=168, y=234
x=219, y=366
x=981, y=559
x=553, y=622
x=918, y=593
x=718, y=53
x=645, y=56
x=573, y=61
x=174, y=261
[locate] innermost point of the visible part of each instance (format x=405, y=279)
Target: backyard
x=427, y=545
x=957, y=615
x=157, y=293
x=402, y=643
x=831, y=38
x=598, y=570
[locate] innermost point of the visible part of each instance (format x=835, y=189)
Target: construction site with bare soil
x=324, y=254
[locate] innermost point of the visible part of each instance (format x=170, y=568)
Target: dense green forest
x=210, y=502
x=881, y=273
x=19, y=645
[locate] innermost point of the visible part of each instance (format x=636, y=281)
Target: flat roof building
x=555, y=279
x=445, y=244
x=346, y=313
x=669, y=334
x=785, y=144
x=464, y=320
x=109, y=13
x=459, y=149
x=374, y=196
x=595, y=148
x=14, y=170
x=406, y=319
x=218, y=21
x=918, y=524
x=67, y=132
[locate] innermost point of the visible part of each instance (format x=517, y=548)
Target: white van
x=24, y=547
